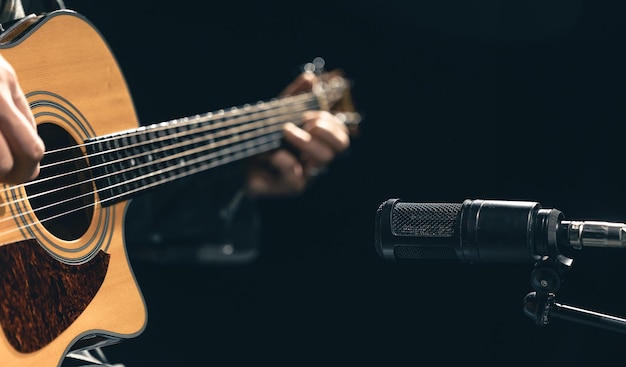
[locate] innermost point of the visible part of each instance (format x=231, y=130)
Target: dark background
x=462, y=99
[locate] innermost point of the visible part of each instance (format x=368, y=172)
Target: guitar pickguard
x=39, y=296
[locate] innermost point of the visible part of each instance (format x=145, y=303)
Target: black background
x=462, y=99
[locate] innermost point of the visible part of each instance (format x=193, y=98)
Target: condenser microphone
x=485, y=231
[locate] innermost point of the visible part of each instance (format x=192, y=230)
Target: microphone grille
x=425, y=219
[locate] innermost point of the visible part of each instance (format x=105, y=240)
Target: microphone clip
x=546, y=279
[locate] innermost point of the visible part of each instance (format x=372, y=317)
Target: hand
x=319, y=140
x=21, y=149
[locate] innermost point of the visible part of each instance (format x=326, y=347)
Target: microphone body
x=499, y=231
x=473, y=231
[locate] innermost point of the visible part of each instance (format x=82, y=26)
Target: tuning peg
x=316, y=66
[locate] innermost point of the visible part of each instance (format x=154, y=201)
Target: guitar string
x=249, y=115
x=242, y=152
x=255, y=126
x=234, y=156
x=262, y=147
x=249, y=110
x=251, y=127
x=207, y=157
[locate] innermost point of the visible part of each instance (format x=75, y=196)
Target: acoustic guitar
x=66, y=283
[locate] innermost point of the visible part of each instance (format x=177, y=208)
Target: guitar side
x=65, y=285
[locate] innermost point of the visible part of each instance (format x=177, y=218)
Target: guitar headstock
x=333, y=92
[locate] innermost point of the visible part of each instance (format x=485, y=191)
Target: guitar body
x=67, y=284
x=65, y=280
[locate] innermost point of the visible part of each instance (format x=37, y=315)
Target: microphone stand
x=541, y=304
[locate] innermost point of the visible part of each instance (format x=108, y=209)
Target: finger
x=6, y=159
x=289, y=168
x=284, y=175
x=259, y=181
x=20, y=136
x=303, y=141
x=325, y=127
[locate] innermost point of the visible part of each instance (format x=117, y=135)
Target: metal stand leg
x=88, y=358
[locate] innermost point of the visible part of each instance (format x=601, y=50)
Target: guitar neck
x=129, y=162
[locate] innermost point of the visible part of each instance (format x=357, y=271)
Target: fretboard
x=129, y=162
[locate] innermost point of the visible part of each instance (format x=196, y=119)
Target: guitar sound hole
x=62, y=196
